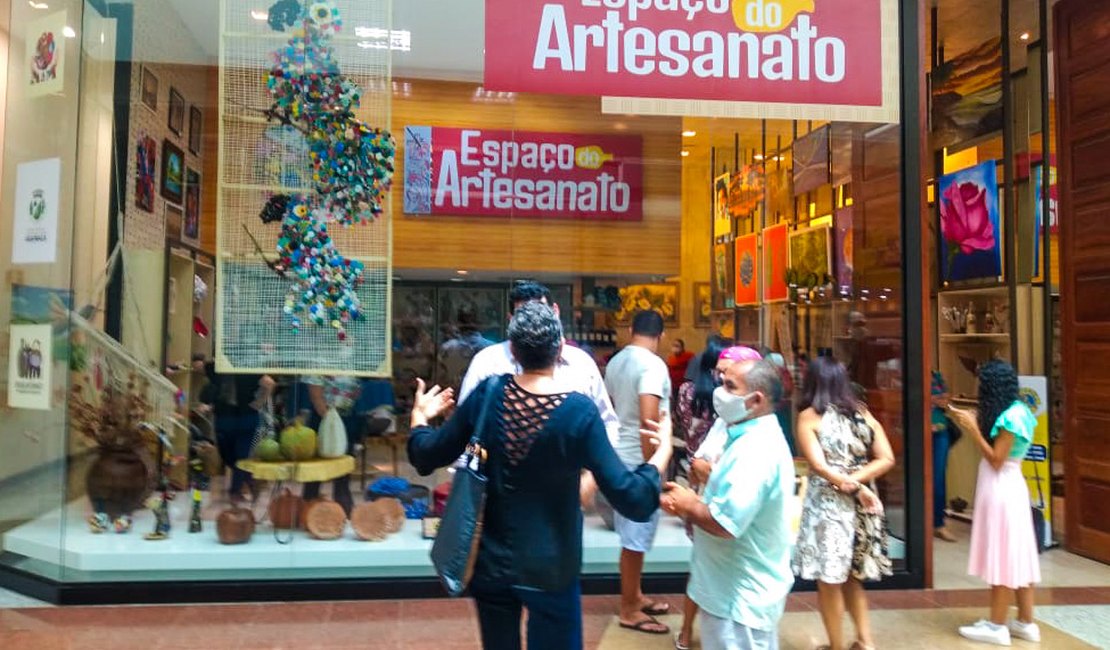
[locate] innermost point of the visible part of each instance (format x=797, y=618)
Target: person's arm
x=265, y=391
x=430, y=448
x=996, y=453
x=652, y=387
x=633, y=493
x=318, y=400
x=882, y=456
x=685, y=504
x=649, y=412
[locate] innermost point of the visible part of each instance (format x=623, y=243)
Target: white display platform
x=405, y=553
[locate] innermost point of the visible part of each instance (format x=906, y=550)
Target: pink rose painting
x=969, y=224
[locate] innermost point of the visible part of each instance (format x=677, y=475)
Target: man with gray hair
x=740, y=571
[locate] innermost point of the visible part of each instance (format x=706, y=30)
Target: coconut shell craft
x=394, y=512
x=368, y=520
x=235, y=526
x=325, y=519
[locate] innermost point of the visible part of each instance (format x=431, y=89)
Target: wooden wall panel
x=523, y=246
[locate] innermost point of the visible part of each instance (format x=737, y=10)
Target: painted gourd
x=298, y=442
x=331, y=440
x=269, y=450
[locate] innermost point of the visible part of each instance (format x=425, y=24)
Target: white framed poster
x=46, y=47
x=35, y=226
x=30, y=360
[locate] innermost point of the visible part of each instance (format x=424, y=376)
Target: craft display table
x=317, y=470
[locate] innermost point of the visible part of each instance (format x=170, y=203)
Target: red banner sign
x=520, y=174
x=804, y=52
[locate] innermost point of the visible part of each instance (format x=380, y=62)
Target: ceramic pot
x=118, y=482
x=235, y=526
x=287, y=511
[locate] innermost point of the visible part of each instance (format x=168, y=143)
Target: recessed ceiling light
x=463, y=272
x=260, y=14
x=758, y=156
x=685, y=153
x=689, y=134
x=38, y=5
x=1024, y=36
x=68, y=32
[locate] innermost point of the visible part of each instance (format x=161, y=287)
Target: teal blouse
x=1021, y=422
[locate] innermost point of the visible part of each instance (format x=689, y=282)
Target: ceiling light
x=260, y=14
x=68, y=32
x=685, y=153
x=463, y=272
x=1024, y=36
x=38, y=5
x=457, y=280
x=758, y=156
x=689, y=134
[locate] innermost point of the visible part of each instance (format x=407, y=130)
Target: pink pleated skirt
x=1003, y=543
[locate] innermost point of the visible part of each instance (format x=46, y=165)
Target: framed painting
x=190, y=228
x=842, y=249
x=177, y=111
x=145, y=155
x=149, y=89
x=747, y=270
x=703, y=304
x=724, y=296
x=810, y=256
x=173, y=172
x=775, y=263
x=722, y=220
x=970, y=224
x=662, y=298
x=175, y=222
x=966, y=95
x=811, y=161
x=196, y=130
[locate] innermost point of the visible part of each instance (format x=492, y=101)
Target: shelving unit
x=182, y=341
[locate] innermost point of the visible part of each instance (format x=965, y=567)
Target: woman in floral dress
x=842, y=540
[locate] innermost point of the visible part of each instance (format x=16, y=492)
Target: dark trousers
x=941, y=444
x=340, y=487
x=234, y=437
x=554, y=618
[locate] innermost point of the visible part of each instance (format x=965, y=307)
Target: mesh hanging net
x=304, y=237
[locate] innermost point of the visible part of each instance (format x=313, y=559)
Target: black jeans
x=340, y=487
x=554, y=618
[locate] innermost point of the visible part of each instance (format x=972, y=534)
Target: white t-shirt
x=635, y=371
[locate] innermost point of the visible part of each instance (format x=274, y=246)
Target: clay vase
x=287, y=511
x=118, y=481
x=235, y=526
x=325, y=519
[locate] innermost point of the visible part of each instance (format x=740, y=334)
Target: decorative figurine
x=161, y=519
x=195, y=524
x=972, y=324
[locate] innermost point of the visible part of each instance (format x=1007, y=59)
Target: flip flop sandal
x=678, y=645
x=643, y=625
x=657, y=609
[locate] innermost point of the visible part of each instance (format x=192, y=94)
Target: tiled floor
x=1076, y=618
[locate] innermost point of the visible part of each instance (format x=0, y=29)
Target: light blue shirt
x=747, y=578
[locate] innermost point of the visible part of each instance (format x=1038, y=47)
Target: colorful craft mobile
x=351, y=168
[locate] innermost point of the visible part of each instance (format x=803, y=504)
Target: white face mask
x=730, y=407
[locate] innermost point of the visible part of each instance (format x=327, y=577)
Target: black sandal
x=643, y=625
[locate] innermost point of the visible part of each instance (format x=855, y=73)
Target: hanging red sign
x=490, y=172
x=802, y=58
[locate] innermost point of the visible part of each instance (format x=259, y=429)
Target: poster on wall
x=835, y=60
x=662, y=298
x=145, y=171
x=35, y=228
x=745, y=191
x=722, y=221
x=747, y=270
x=810, y=258
x=1037, y=466
x=775, y=263
x=970, y=228
x=723, y=295
x=190, y=226
x=1038, y=198
x=173, y=172
x=46, y=43
x=967, y=95
x=30, y=358
x=842, y=249
x=35, y=305
x=488, y=172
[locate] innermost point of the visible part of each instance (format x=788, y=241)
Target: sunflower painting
x=635, y=298
x=703, y=304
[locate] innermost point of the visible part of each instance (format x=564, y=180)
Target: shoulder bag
x=455, y=549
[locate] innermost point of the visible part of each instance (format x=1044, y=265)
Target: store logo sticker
x=591, y=157
x=38, y=205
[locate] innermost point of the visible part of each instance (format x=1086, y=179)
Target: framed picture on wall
x=811, y=161
x=145, y=173
x=174, y=222
x=196, y=129
x=149, y=90
x=811, y=256
x=747, y=270
x=724, y=296
x=173, y=172
x=177, y=112
x=970, y=224
x=662, y=298
x=722, y=221
x=190, y=227
x=775, y=263
x=703, y=304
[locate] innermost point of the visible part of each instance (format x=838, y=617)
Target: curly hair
x=998, y=390
x=536, y=336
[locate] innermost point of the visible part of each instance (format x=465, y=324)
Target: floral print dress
x=836, y=538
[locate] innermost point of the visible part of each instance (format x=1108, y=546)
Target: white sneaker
x=1025, y=631
x=986, y=632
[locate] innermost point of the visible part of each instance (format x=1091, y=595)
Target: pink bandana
x=740, y=353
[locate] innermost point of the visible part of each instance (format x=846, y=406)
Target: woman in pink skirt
x=1003, y=544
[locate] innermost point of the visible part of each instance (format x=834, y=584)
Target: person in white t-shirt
x=640, y=385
